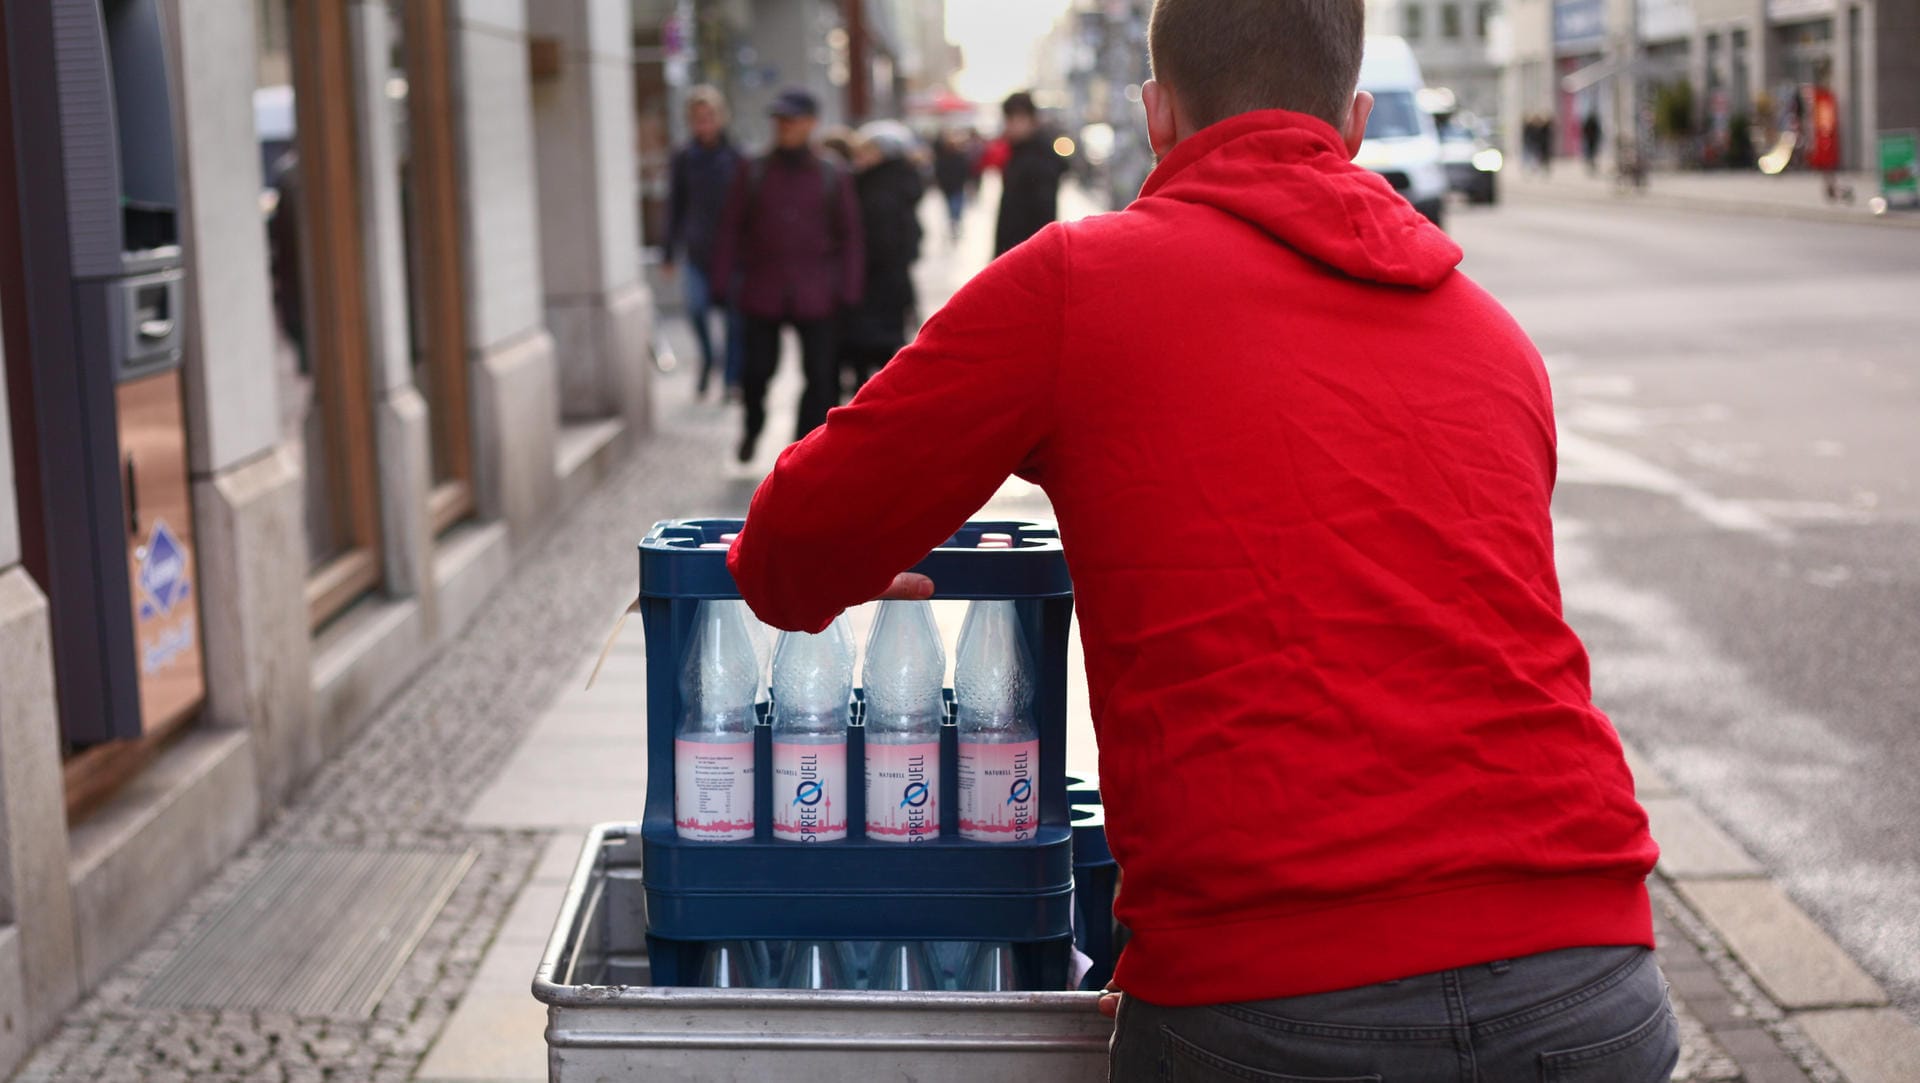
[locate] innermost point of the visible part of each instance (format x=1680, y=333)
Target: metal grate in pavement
x=316, y=932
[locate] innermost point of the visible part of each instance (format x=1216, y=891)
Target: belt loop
x=1500, y=966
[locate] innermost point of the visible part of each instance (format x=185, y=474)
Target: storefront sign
x=1578, y=23
x=1786, y=11
x=1665, y=20
x=1900, y=166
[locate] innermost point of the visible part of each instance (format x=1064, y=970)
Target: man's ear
x=1354, y=131
x=1163, y=131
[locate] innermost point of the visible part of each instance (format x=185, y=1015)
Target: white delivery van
x=1402, y=144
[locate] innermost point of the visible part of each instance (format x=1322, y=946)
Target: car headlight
x=1488, y=160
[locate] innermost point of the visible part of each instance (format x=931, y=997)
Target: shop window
x=1412, y=20
x=1482, y=20
x=1450, y=21
x=419, y=91
x=303, y=118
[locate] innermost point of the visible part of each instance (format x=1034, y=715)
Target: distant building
x=1456, y=42
x=1720, y=65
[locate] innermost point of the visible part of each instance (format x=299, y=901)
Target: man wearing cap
x=790, y=237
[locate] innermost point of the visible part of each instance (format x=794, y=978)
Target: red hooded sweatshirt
x=1302, y=469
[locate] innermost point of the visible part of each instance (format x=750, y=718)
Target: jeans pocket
x=1184, y=1062
x=1645, y=1054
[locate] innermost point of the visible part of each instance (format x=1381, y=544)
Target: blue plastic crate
x=854, y=889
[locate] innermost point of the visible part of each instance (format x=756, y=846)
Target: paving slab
x=491, y=1037
x=1693, y=847
x=1867, y=1045
x=1647, y=779
x=1792, y=959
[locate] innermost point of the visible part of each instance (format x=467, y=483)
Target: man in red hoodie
x=1371, y=824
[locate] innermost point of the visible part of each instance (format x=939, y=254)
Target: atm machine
x=93, y=311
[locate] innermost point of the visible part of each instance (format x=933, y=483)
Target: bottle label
x=809, y=792
x=999, y=791
x=901, y=785
x=713, y=790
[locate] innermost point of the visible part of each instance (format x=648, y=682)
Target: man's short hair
x=1222, y=58
x=710, y=97
x=1019, y=104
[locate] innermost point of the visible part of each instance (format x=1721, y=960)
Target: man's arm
x=677, y=196
x=853, y=243
x=727, y=241
x=922, y=447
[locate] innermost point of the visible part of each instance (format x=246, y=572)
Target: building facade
x=1700, y=76
x=394, y=322
x=1456, y=41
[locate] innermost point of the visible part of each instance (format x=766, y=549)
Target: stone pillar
x=35, y=895
x=246, y=495
x=597, y=307
x=402, y=434
x=513, y=383
x=39, y=957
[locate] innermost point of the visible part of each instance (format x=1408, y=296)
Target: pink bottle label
x=713, y=790
x=902, y=781
x=809, y=792
x=999, y=791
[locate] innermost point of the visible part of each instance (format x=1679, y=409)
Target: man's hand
x=1110, y=1000
x=907, y=587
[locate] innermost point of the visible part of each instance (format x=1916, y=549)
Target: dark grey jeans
x=1584, y=1015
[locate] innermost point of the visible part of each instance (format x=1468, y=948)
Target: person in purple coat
x=790, y=243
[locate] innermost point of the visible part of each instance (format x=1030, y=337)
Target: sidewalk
x=1797, y=195
x=497, y=755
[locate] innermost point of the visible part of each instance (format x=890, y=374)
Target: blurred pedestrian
x=1590, y=141
x=701, y=174
x=1372, y=823
x=791, y=233
x=952, y=171
x=890, y=190
x=1030, y=192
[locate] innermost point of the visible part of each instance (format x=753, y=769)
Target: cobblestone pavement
x=407, y=779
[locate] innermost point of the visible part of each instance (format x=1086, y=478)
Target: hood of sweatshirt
x=1289, y=175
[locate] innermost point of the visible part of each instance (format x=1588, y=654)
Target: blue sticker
x=163, y=572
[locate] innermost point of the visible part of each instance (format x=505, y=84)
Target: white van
x=1402, y=144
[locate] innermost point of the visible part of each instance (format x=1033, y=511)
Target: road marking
x=1585, y=461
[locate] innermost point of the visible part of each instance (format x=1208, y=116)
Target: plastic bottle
x=902, y=966
x=713, y=750
x=728, y=964
x=999, y=769
x=812, y=684
x=905, y=669
x=991, y=969
x=814, y=964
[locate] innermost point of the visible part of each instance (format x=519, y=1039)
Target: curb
x=1670, y=201
x=1819, y=994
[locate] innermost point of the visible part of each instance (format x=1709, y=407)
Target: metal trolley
x=605, y=1022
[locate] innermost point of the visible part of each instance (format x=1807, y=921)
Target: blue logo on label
x=808, y=793
x=915, y=795
x=163, y=573
x=1022, y=791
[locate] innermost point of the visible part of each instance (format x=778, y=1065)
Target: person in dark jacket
x=890, y=190
x=1030, y=196
x=791, y=234
x=953, y=172
x=1590, y=141
x=701, y=174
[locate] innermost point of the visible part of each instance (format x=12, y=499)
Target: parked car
x=1473, y=164
x=1402, y=143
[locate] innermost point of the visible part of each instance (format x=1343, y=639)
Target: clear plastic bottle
x=906, y=666
x=713, y=750
x=999, y=769
x=729, y=964
x=814, y=964
x=991, y=969
x=902, y=966
x=812, y=685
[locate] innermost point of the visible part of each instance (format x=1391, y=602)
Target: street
x=1737, y=520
